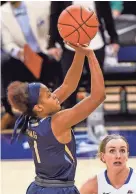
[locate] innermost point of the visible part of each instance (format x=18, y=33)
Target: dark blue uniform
x=55, y=163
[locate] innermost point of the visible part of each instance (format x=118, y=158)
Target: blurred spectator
x=27, y=23
x=103, y=11
x=116, y=7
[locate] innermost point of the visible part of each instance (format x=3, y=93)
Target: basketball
x=77, y=24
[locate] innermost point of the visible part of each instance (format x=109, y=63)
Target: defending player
x=118, y=178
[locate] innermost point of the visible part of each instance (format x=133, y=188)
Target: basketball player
x=118, y=178
x=49, y=129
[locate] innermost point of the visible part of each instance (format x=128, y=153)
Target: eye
x=112, y=151
x=49, y=95
x=123, y=150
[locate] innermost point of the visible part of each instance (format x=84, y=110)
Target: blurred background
x=32, y=50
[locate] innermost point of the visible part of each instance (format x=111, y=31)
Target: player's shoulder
x=101, y=173
x=134, y=171
x=132, y=179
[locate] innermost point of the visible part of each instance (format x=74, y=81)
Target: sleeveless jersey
x=104, y=186
x=53, y=160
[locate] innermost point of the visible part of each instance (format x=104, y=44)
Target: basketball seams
x=81, y=12
x=84, y=22
x=68, y=25
x=80, y=25
x=76, y=30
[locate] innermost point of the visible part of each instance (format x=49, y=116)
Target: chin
x=59, y=108
x=118, y=167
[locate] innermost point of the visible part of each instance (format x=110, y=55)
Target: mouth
x=117, y=163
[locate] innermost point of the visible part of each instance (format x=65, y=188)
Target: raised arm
x=79, y=112
x=73, y=75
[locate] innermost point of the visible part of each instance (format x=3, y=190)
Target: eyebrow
x=111, y=147
x=47, y=90
x=115, y=147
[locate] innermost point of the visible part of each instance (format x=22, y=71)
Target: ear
x=102, y=157
x=127, y=155
x=38, y=108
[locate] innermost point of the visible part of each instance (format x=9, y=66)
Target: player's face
x=49, y=101
x=116, y=154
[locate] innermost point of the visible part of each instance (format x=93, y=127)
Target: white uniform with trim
x=104, y=186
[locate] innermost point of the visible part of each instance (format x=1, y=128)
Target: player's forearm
x=74, y=73
x=97, y=80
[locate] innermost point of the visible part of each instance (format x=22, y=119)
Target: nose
x=118, y=155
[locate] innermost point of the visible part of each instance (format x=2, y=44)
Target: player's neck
x=42, y=115
x=118, y=178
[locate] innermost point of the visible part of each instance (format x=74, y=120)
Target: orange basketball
x=77, y=24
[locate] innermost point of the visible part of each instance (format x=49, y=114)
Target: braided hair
x=23, y=97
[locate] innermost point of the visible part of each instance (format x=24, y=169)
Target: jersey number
x=36, y=152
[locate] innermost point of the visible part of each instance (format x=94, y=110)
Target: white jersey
x=104, y=186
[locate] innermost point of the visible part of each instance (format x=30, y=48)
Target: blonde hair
x=107, y=139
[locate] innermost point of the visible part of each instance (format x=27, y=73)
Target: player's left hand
x=84, y=49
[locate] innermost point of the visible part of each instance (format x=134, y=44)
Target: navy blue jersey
x=53, y=160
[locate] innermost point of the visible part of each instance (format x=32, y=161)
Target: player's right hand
x=80, y=48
